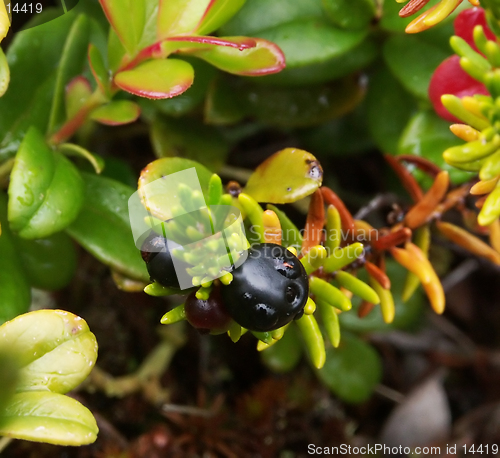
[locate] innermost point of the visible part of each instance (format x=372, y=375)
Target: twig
x=147, y=377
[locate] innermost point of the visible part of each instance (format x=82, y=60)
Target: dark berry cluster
x=267, y=291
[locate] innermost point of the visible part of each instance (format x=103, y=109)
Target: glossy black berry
x=209, y=315
x=268, y=290
x=158, y=258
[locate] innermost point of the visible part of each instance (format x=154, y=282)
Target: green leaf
x=116, y=113
x=263, y=59
x=45, y=191
x=350, y=14
x=166, y=166
x=103, y=226
x=72, y=62
x=15, y=292
x=352, y=370
x=427, y=135
x=188, y=100
x=179, y=17
x=301, y=106
x=116, y=51
x=4, y=73
x=284, y=355
x=8, y=378
x=36, y=115
x=55, y=349
x=257, y=15
x=287, y=176
x=192, y=140
x=43, y=416
x=413, y=61
x=157, y=79
x=127, y=17
x=78, y=92
x=356, y=59
x=312, y=41
x=343, y=136
x=149, y=35
x=389, y=109
x=49, y=263
x=120, y=170
x=98, y=68
x=223, y=106
x=217, y=14
x=33, y=57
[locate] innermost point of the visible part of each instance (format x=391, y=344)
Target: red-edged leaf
x=98, y=68
x=78, y=91
x=127, y=17
x=157, y=79
x=117, y=113
x=218, y=13
x=449, y=78
x=179, y=16
x=263, y=59
x=172, y=44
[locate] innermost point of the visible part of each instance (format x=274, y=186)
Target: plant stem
x=147, y=377
x=72, y=125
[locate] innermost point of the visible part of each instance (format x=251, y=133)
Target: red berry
x=449, y=78
x=209, y=315
x=465, y=22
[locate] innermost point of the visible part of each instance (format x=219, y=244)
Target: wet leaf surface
x=45, y=191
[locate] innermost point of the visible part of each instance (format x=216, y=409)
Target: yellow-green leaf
x=117, y=113
x=55, y=349
x=287, y=176
x=157, y=79
x=4, y=73
x=43, y=416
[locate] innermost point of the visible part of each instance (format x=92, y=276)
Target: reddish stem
x=393, y=239
x=409, y=183
x=422, y=163
x=332, y=199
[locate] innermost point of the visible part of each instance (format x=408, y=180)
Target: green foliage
x=45, y=191
x=352, y=371
x=15, y=295
x=187, y=73
x=103, y=226
x=54, y=352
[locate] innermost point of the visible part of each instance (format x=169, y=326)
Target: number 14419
x=23, y=8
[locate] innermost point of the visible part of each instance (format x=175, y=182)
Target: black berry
x=268, y=290
x=158, y=258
